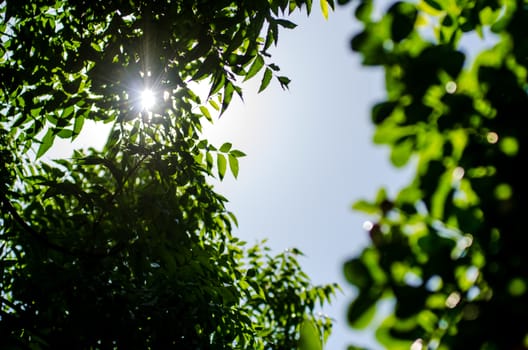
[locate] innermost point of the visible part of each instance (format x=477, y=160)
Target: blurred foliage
x=130, y=247
x=449, y=249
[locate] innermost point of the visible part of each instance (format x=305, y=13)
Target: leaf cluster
x=448, y=249
x=129, y=246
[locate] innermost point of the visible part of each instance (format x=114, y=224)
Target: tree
x=129, y=246
x=449, y=249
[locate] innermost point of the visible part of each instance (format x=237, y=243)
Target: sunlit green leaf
x=268, y=74
x=46, y=143
x=225, y=147
x=228, y=95
x=366, y=207
x=221, y=163
x=402, y=152
x=205, y=112
x=209, y=160
x=78, y=125
x=65, y=133
x=324, y=8
x=233, y=165
x=214, y=104
x=309, y=338
x=257, y=65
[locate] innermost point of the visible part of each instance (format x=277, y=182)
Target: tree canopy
x=129, y=246
x=449, y=249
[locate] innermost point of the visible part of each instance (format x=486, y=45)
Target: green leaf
x=365, y=319
x=228, y=95
x=77, y=125
x=237, y=153
x=402, y=152
x=284, y=81
x=209, y=160
x=272, y=35
x=225, y=147
x=219, y=82
x=65, y=133
x=233, y=165
x=46, y=143
x=208, y=66
x=268, y=74
x=362, y=309
x=382, y=111
x=23, y=118
x=96, y=47
x=404, y=16
x=256, y=66
x=285, y=23
x=366, y=207
x=274, y=67
x=221, y=164
x=357, y=274
x=309, y=338
x=308, y=6
x=205, y=113
x=214, y=104
x=435, y=5
x=233, y=218
x=96, y=160
x=324, y=8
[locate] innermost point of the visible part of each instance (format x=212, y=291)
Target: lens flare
x=148, y=99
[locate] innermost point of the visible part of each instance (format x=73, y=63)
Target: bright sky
x=309, y=155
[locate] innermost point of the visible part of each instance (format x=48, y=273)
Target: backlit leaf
x=225, y=147
x=46, y=143
x=77, y=125
x=65, y=133
x=324, y=8
x=205, y=113
x=256, y=66
x=268, y=74
x=221, y=163
x=233, y=165
x=214, y=104
x=228, y=95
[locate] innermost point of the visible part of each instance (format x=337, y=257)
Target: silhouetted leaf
x=284, y=81
x=403, y=18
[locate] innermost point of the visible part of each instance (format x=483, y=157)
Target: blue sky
x=309, y=155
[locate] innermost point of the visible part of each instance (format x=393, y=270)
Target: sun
x=148, y=99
